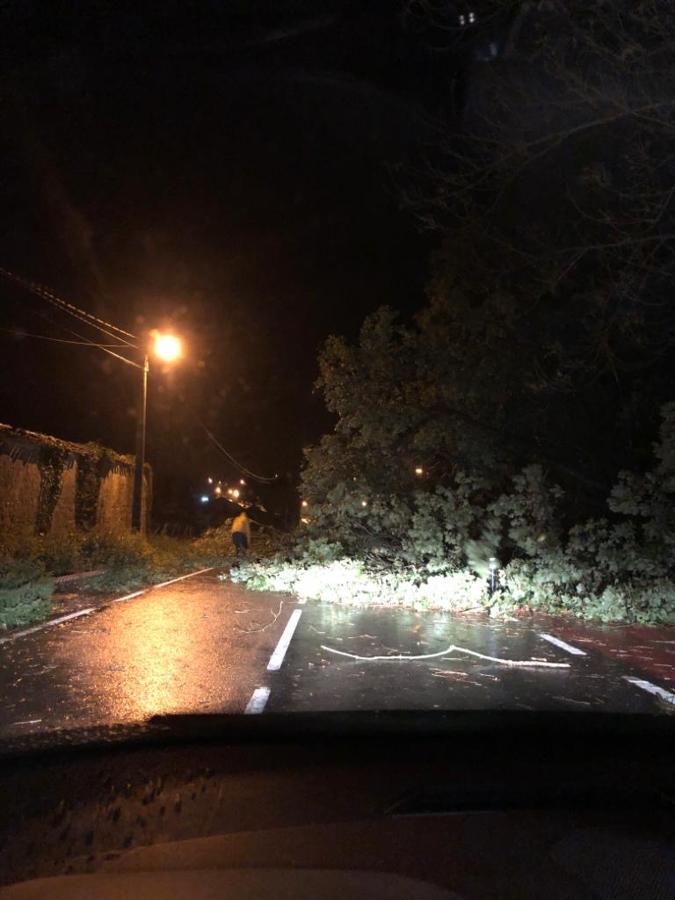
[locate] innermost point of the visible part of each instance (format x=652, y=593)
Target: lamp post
x=168, y=348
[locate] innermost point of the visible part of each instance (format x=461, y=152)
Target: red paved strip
x=644, y=648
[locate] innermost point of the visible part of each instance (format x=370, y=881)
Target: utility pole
x=137, y=520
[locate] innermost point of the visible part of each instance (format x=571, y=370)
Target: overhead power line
x=88, y=318
x=265, y=479
x=18, y=333
x=104, y=348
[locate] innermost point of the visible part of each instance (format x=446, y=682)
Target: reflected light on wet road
x=155, y=659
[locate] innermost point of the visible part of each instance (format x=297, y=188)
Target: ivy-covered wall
x=51, y=486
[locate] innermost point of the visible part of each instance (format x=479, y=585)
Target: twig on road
x=524, y=663
x=275, y=616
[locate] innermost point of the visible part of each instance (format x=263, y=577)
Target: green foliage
x=113, y=549
x=25, y=592
x=349, y=581
x=51, y=463
x=400, y=542
x=87, y=488
x=131, y=560
x=57, y=555
x=536, y=370
x=215, y=547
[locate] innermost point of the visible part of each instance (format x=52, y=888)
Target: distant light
x=230, y=491
x=304, y=504
x=167, y=347
x=419, y=470
x=204, y=498
x=493, y=564
x=364, y=503
x=241, y=481
x=472, y=17
x=235, y=493
x=462, y=20
x=210, y=480
x=304, y=520
x=218, y=489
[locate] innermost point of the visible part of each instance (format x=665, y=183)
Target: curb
x=76, y=576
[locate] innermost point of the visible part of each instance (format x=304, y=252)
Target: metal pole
x=137, y=502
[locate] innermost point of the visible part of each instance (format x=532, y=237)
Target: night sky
x=220, y=170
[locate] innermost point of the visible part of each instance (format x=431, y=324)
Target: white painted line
x=181, y=578
x=660, y=692
x=128, y=596
x=48, y=624
x=258, y=700
x=85, y=612
x=277, y=657
x=575, y=651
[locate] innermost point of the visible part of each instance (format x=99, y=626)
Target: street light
x=419, y=470
x=168, y=348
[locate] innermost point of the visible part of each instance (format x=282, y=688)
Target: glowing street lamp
x=419, y=470
x=304, y=504
x=168, y=348
x=235, y=493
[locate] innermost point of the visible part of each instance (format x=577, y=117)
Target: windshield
x=337, y=360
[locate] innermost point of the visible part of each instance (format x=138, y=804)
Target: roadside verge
x=89, y=610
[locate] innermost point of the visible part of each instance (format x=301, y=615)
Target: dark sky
x=220, y=170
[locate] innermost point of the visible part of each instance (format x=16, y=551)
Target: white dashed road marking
x=182, y=577
x=654, y=689
x=277, y=658
x=128, y=596
x=258, y=700
x=575, y=651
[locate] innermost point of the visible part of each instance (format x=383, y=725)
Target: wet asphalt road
x=203, y=645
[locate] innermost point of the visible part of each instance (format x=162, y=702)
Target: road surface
x=205, y=645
